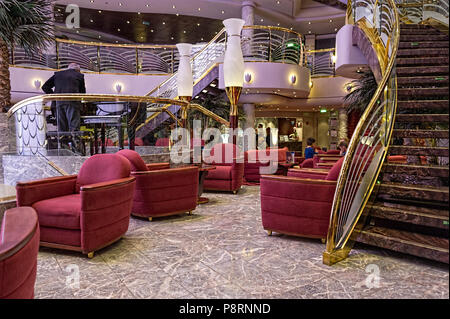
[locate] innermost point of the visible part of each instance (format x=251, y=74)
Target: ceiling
x=189, y=21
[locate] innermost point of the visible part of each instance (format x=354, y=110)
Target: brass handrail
x=370, y=141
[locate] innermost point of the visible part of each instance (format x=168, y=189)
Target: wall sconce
x=248, y=77
x=310, y=84
x=118, y=87
x=37, y=84
x=293, y=78
x=348, y=87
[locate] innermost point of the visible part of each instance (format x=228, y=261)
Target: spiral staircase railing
x=379, y=20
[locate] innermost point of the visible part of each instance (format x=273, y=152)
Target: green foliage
x=362, y=91
x=26, y=24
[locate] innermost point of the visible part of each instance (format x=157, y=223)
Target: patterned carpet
x=223, y=252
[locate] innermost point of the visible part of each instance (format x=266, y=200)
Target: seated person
x=310, y=150
x=343, y=148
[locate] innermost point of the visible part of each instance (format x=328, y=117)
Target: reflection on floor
x=223, y=252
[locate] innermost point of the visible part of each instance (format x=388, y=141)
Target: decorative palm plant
x=361, y=92
x=26, y=24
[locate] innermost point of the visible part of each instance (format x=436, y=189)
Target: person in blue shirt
x=310, y=150
x=343, y=147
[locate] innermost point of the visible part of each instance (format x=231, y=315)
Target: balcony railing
x=369, y=145
x=321, y=62
x=421, y=11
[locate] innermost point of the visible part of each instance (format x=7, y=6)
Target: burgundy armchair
x=300, y=205
x=83, y=212
x=19, y=246
x=255, y=159
x=161, y=190
x=229, y=172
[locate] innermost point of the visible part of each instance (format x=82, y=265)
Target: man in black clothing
x=67, y=81
x=67, y=112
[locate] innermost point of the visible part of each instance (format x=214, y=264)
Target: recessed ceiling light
x=117, y=41
x=335, y=29
x=278, y=2
x=262, y=20
x=184, y=31
x=198, y=24
x=99, y=11
x=205, y=91
x=171, y=38
x=147, y=5
x=173, y=6
x=99, y=36
x=151, y=30
x=309, y=31
x=199, y=9
x=201, y=39
x=177, y=14
x=331, y=20
x=164, y=22
x=92, y=1
x=118, y=30
x=128, y=22
x=92, y=20
x=309, y=22
x=278, y=24
x=223, y=12
x=139, y=13
x=120, y=4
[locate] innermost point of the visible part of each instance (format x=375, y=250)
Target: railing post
x=137, y=60
x=58, y=62
x=98, y=59
x=270, y=45
x=173, y=62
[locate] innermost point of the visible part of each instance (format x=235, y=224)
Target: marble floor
x=223, y=252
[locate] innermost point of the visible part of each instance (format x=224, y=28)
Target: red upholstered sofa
x=163, y=141
x=161, y=190
x=83, y=212
x=299, y=206
x=229, y=172
x=19, y=246
x=255, y=159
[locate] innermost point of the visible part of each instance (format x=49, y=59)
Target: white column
x=248, y=15
x=343, y=119
x=249, y=110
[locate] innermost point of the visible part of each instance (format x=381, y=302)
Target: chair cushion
x=60, y=212
x=102, y=168
x=221, y=172
x=307, y=163
x=136, y=161
x=333, y=174
x=163, y=141
x=224, y=153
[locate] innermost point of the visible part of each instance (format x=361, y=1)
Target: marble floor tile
x=222, y=251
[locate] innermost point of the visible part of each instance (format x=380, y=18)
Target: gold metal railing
x=434, y=12
x=379, y=20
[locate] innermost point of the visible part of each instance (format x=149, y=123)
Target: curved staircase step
x=420, y=52
x=423, y=61
x=420, y=133
x=423, y=92
x=418, y=150
x=420, y=118
x=422, y=70
x=421, y=80
x=431, y=247
x=410, y=214
x=422, y=44
x=423, y=37
x=395, y=191
x=423, y=104
x=417, y=170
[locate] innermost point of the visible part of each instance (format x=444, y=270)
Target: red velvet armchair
x=255, y=159
x=229, y=172
x=300, y=205
x=19, y=246
x=83, y=212
x=161, y=190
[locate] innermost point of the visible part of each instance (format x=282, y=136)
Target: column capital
x=248, y=3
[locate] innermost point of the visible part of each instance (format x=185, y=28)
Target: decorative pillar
x=249, y=110
x=342, y=130
x=248, y=15
x=185, y=83
x=233, y=69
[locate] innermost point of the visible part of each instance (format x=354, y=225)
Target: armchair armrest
x=305, y=189
x=308, y=173
x=157, y=166
x=31, y=192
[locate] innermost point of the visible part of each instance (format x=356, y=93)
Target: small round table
x=203, y=171
x=285, y=167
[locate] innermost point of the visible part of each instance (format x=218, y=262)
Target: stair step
x=422, y=70
x=418, y=150
x=417, y=170
x=420, y=80
x=411, y=214
x=420, y=118
x=423, y=61
x=423, y=92
x=393, y=191
x=423, y=37
x=411, y=31
x=423, y=104
x=430, y=247
x=416, y=26
x=420, y=52
x=422, y=44
x=420, y=133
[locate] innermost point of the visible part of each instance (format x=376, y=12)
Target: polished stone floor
x=223, y=252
